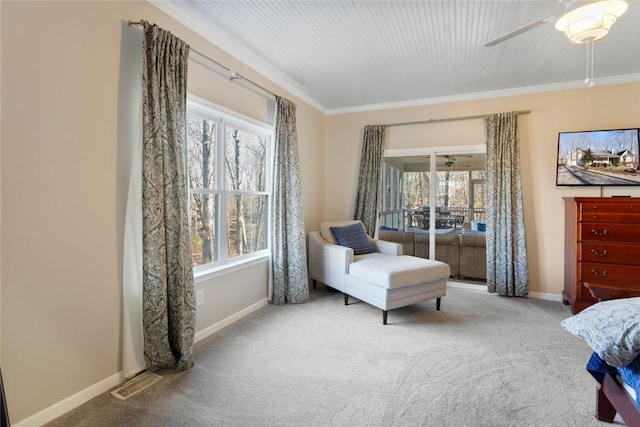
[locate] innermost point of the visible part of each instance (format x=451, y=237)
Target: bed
x=618, y=391
x=612, y=330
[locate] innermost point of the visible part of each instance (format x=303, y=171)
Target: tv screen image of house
x=598, y=157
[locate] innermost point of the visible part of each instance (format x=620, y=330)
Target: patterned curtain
x=289, y=251
x=169, y=310
x=366, y=207
x=507, y=272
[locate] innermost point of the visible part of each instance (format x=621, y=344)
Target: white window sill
x=203, y=274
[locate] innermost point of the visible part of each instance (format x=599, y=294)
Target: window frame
x=228, y=118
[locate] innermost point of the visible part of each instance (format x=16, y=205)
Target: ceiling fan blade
x=523, y=29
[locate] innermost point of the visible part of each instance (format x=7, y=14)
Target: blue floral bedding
x=630, y=374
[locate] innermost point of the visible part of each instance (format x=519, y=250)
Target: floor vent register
x=136, y=385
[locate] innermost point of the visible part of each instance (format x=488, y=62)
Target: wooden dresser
x=602, y=249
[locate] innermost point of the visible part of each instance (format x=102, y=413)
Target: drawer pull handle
x=595, y=217
x=597, y=233
x=596, y=253
x=604, y=273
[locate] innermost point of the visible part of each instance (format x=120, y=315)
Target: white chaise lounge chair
x=343, y=257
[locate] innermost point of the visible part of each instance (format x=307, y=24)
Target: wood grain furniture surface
x=602, y=249
x=612, y=398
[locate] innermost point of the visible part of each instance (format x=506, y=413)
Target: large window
x=228, y=160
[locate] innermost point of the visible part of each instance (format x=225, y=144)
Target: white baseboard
x=72, y=402
x=483, y=287
x=210, y=330
x=466, y=285
x=546, y=296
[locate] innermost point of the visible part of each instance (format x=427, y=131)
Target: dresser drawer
x=609, y=232
x=615, y=218
x=617, y=207
x=609, y=273
x=609, y=253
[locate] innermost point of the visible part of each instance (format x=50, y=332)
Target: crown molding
x=237, y=51
x=604, y=81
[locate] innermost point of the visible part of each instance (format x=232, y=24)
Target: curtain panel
x=368, y=190
x=169, y=310
x=290, y=282
x=507, y=272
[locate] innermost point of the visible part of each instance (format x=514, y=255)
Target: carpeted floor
x=483, y=360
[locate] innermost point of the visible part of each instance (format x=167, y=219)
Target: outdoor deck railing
x=400, y=217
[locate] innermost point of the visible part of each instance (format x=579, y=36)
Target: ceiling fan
x=582, y=21
x=450, y=160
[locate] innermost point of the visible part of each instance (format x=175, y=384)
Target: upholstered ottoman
x=389, y=282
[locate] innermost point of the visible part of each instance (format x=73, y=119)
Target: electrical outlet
x=200, y=297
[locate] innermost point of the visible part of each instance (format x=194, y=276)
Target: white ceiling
x=356, y=55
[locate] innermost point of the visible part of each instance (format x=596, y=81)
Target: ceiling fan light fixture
x=592, y=21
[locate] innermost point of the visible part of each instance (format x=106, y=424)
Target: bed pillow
x=353, y=236
x=611, y=328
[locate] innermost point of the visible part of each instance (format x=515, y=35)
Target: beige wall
x=0, y=191
x=69, y=107
x=599, y=107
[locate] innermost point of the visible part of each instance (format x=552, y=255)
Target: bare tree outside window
x=227, y=171
x=416, y=189
x=453, y=192
x=201, y=146
x=245, y=172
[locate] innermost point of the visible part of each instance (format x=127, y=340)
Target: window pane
x=245, y=167
x=452, y=191
x=416, y=189
x=202, y=211
x=247, y=224
x=201, y=147
x=478, y=209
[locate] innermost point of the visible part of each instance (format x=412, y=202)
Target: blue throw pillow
x=353, y=236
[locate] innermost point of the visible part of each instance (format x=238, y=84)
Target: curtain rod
x=233, y=75
x=450, y=119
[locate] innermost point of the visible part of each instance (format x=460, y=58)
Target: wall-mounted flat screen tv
x=598, y=157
